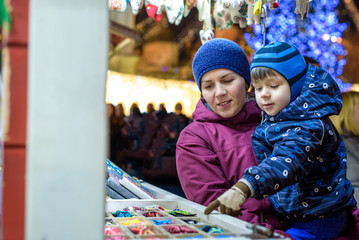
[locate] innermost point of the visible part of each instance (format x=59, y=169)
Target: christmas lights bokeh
x=318, y=35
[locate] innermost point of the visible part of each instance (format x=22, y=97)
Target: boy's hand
x=230, y=201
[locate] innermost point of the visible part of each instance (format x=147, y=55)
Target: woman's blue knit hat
x=285, y=59
x=220, y=53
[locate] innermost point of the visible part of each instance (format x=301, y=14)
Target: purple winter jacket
x=212, y=154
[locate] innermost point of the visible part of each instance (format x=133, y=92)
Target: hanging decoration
x=302, y=7
x=136, y=6
x=189, y=4
x=122, y=5
x=318, y=36
x=226, y=15
x=207, y=32
x=174, y=11
x=154, y=9
x=242, y=12
x=118, y=5
x=312, y=26
x=225, y=12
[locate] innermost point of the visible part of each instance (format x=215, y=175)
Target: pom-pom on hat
x=220, y=53
x=285, y=59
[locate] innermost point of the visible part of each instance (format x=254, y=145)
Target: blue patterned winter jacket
x=301, y=156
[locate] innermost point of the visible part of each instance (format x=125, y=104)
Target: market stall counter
x=154, y=213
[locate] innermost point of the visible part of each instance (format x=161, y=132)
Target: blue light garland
x=317, y=36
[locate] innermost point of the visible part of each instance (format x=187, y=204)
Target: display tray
x=174, y=219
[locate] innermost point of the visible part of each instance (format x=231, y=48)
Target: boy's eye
x=257, y=89
x=275, y=86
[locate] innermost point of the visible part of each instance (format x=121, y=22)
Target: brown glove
x=231, y=200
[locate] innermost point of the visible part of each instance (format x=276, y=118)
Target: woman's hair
x=259, y=74
x=345, y=122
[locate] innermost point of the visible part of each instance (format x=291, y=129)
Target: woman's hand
x=230, y=202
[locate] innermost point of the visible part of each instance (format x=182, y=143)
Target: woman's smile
x=224, y=104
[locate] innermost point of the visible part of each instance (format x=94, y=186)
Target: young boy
x=301, y=157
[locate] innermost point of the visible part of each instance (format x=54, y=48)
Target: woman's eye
x=228, y=81
x=207, y=86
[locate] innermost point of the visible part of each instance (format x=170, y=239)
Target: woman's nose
x=220, y=90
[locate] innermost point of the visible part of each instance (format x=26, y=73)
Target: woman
x=214, y=150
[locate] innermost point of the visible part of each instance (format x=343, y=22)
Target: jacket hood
x=249, y=113
x=320, y=97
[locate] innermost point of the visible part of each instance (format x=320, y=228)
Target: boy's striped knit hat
x=220, y=53
x=285, y=59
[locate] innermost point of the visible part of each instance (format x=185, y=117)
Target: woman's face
x=225, y=91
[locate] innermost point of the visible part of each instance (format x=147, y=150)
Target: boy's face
x=273, y=94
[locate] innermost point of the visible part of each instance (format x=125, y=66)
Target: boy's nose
x=265, y=93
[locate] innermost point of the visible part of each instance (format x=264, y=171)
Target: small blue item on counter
x=162, y=222
x=122, y=214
